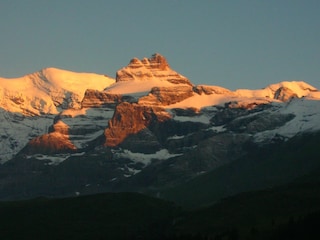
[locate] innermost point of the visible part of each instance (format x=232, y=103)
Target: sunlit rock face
x=203, y=89
x=151, y=124
x=167, y=95
x=94, y=98
x=130, y=119
x=56, y=141
x=17, y=130
x=284, y=94
x=147, y=69
x=48, y=90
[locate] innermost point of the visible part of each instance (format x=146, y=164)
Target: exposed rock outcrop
x=211, y=90
x=144, y=142
x=146, y=69
x=48, y=91
x=284, y=94
x=149, y=130
x=259, y=122
x=95, y=98
x=167, y=95
x=49, y=144
x=130, y=119
x=56, y=141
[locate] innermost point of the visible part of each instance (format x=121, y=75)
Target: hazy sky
x=230, y=43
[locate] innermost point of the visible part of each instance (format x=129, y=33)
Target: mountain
x=29, y=104
x=264, y=167
x=148, y=130
x=45, y=91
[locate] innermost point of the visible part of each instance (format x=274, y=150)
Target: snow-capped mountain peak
x=148, y=69
x=149, y=115
x=45, y=91
x=298, y=88
x=73, y=81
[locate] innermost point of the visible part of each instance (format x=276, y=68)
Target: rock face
x=17, y=130
x=56, y=141
x=208, y=90
x=146, y=69
x=45, y=91
x=284, y=94
x=167, y=95
x=130, y=119
x=50, y=143
x=94, y=98
x=149, y=130
x=259, y=122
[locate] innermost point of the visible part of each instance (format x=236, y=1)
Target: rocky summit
x=148, y=130
x=147, y=69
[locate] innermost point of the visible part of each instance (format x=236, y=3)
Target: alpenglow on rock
x=147, y=129
x=148, y=69
x=48, y=90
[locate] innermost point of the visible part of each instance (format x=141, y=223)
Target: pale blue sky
x=230, y=43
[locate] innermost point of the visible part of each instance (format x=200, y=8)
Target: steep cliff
x=130, y=119
x=148, y=69
x=150, y=128
x=56, y=141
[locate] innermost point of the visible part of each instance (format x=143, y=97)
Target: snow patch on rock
x=145, y=159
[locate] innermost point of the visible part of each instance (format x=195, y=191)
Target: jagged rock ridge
x=151, y=127
x=130, y=119
x=148, y=69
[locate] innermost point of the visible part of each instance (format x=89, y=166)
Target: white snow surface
x=41, y=92
x=55, y=159
x=201, y=118
x=29, y=104
x=75, y=82
x=203, y=101
x=17, y=130
x=298, y=87
x=246, y=96
x=145, y=158
x=137, y=87
x=307, y=119
x=88, y=123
